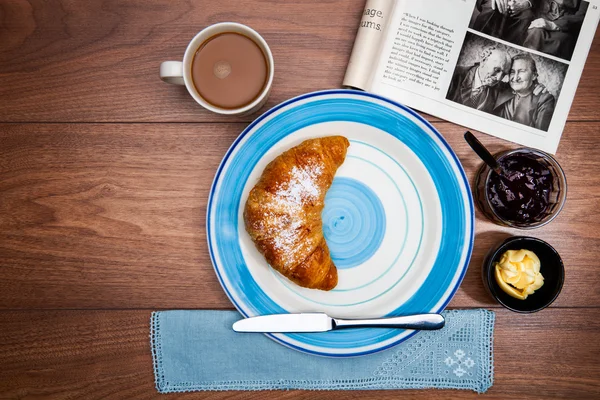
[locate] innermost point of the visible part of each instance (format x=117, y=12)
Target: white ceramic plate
x=398, y=219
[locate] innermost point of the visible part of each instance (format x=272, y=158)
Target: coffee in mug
x=227, y=68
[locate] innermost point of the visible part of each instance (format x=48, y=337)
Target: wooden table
x=105, y=173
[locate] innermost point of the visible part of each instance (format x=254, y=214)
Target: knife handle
x=417, y=321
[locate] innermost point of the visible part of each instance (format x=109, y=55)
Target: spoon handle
x=482, y=152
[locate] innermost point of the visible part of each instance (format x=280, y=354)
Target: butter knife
x=320, y=322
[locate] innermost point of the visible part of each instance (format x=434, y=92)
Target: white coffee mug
x=180, y=73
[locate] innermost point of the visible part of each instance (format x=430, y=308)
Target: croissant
x=283, y=212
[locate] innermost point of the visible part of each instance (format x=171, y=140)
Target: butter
x=518, y=273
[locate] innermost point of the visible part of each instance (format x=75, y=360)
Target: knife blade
x=321, y=322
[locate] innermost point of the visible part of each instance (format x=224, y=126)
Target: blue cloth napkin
x=198, y=350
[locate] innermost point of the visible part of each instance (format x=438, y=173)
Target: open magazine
x=509, y=68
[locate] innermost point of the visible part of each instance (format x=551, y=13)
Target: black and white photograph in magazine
x=548, y=26
x=507, y=82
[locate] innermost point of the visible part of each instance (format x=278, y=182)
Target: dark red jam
x=522, y=193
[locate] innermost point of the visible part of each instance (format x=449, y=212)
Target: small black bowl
x=551, y=267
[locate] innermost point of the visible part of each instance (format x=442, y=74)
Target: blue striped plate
x=398, y=219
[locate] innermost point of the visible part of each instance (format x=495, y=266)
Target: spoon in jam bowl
x=483, y=153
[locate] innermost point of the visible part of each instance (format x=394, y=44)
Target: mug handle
x=172, y=72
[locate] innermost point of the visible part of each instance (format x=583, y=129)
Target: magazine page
x=421, y=48
x=368, y=43
x=509, y=72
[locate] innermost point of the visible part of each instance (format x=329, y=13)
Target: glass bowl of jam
x=530, y=191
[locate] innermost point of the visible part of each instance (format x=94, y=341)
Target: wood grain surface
x=105, y=173
x=98, y=60
x=114, y=215
x=106, y=354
